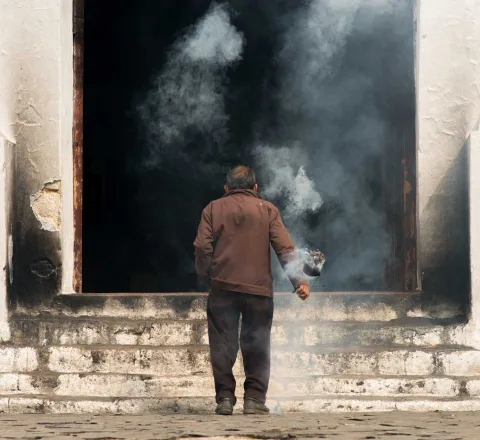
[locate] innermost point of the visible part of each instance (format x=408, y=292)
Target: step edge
x=281, y=399
x=417, y=323
x=147, y=376
x=312, y=349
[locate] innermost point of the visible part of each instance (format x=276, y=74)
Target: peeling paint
x=46, y=205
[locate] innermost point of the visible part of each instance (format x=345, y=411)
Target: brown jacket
x=232, y=248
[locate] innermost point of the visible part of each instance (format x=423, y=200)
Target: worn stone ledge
x=44, y=331
x=128, y=385
x=72, y=331
x=18, y=359
x=375, y=405
x=334, y=307
x=460, y=363
x=194, y=360
x=189, y=405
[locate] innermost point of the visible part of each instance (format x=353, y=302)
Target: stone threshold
x=276, y=294
x=199, y=405
x=401, y=322
x=314, y=349
x=321, y=306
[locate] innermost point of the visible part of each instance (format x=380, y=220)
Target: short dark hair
x=241, y=177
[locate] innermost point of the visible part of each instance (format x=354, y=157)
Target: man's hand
x=303, y=291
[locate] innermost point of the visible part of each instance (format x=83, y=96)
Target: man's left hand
x=303, y=291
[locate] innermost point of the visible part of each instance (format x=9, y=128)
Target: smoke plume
x=187, y=102
x=319, y=97
x=284, y=172
x=339, y=62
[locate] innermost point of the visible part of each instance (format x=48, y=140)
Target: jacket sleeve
x=285, y=250
x=203, y=246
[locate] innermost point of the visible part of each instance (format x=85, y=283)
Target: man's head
x=241, y=177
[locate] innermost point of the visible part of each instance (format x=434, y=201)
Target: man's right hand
x=303, y=291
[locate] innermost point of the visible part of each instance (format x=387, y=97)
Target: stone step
x=42, y=331
x=194, y=360
x=18, y=359
x=382, y=307
x=200, y=405
x=129, y=385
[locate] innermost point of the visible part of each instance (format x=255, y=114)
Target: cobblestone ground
x=435, y=426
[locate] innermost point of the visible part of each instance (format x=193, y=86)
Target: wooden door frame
x=405, y=270
x=78, y=71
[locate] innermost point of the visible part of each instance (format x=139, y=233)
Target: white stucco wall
x=36, y=109
x=35, y=117
x=30, y=54
x=474, y=218
x=6, y=180
x=448, y=109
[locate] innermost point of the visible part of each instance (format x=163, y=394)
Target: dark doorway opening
x=140, y=219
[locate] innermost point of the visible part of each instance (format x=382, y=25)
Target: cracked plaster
x=46, y=205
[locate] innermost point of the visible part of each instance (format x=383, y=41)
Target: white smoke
x=326, y=123
x=188, y=99
x=214, y=39
x=284, y=179
x=328, y=106
x=313, y=47
x=283, y=173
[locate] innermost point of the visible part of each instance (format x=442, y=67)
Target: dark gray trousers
x=223, y=312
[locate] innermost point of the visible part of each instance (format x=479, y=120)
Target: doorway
x=353, y=134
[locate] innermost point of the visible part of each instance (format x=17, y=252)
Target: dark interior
x=139, y=222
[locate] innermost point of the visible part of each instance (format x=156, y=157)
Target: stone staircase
x=149, y=353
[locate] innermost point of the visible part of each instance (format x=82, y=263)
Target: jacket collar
x=245, y=192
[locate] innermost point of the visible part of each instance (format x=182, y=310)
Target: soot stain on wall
x=448, y=273
x=36, y=256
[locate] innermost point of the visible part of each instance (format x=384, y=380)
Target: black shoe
x=254, y=406
x=225, y=407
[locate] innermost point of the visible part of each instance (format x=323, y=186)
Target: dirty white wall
x=6, y=243
x=30, y=53
x=36, y=109
x=31, y=114
x=448, y=109
x=474, y=217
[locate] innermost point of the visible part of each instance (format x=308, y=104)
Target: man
x=232, y=258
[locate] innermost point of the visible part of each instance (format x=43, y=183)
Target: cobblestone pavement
x=399, y=425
